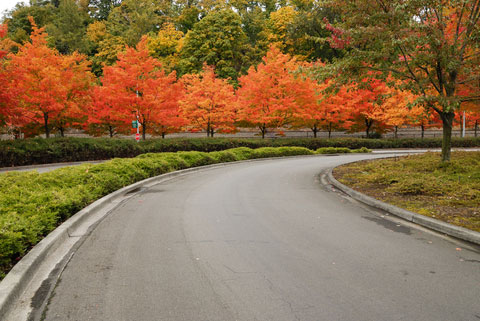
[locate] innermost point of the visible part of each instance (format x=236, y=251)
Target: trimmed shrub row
x=54, y=150
x=33, y=204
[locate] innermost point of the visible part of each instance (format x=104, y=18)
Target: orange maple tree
x=365, y=99
x=266, y=96
x=140, y=89
x=325, y=110
x=37, y=73
x=209, y=103
x=77, y=81
x=396, y=111
x=104, y=115
x=5, y=94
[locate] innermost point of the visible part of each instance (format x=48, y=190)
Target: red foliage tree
x=209, y=103
x=9, y=114
x=139, y=88
x=104, y=116
x=325, y=111
x=4, y=93
x=366, y=97
x=37, y=72
x=396, y=111
x=266, y=96
x=77, y=81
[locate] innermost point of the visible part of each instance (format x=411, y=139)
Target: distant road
x=45, y=167
x=264, y=241
x=50, y=167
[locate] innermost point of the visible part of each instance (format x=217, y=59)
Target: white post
x=463, y=130
x=138, y=127
x=138, y=123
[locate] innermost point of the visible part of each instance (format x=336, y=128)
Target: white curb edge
x=425, y=221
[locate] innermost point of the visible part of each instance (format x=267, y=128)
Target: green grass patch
x=33, y=204
x=55, y=150
x=423, y=184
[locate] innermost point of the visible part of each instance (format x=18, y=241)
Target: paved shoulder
x=263, y=241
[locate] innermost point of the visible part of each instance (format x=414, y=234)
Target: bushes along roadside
x=56, y=150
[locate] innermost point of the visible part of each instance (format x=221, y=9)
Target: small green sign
x=134, y=123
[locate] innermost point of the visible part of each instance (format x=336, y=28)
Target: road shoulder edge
x=428, y=222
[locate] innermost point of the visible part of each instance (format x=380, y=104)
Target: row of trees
x=54, y=91
x=425, y=50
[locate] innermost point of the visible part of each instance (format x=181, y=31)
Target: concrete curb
x=428, y=222
x=17, y=280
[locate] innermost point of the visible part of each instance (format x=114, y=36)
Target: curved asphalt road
x=263, y=241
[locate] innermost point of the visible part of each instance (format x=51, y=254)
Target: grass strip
x=33, y=204
x=423, y=184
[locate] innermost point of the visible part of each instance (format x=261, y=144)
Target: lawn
x=423, y=184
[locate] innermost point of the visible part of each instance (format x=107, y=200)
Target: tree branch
x=430, y=78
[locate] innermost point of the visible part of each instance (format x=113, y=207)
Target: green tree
x=255, y=26
x=68, y=29
x=307, y=33
x=188, y=17
x=107, y=46
x=134, y=18
x=100, y=9
x=19, y=27
x=431, y=46
x=217, y=40
x=165, y=46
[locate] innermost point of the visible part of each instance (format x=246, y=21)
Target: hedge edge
x=425, y=221
x=17, y=280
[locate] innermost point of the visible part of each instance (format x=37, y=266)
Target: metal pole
x=463, y=130
x=138, y=127
x=138, y=123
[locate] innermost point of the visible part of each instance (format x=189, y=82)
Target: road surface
x=264, y=241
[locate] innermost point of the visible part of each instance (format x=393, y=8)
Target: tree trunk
x=315, y=130
x=368, y=125
x=447, y=120
x=476, y=128
x=396, y=132
x=62, y=131
x=208, y=129
x=423, y=130
x=144, y=130
x=263, y=129
x=110, y=131
x=212, y=131
x=329, y=130
x=47, y=130
x=461, y=124
x=163, y=135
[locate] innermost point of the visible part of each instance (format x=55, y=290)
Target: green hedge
x=54, y=150
x=33, y=204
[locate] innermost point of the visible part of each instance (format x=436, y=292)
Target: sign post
x=136, y=124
